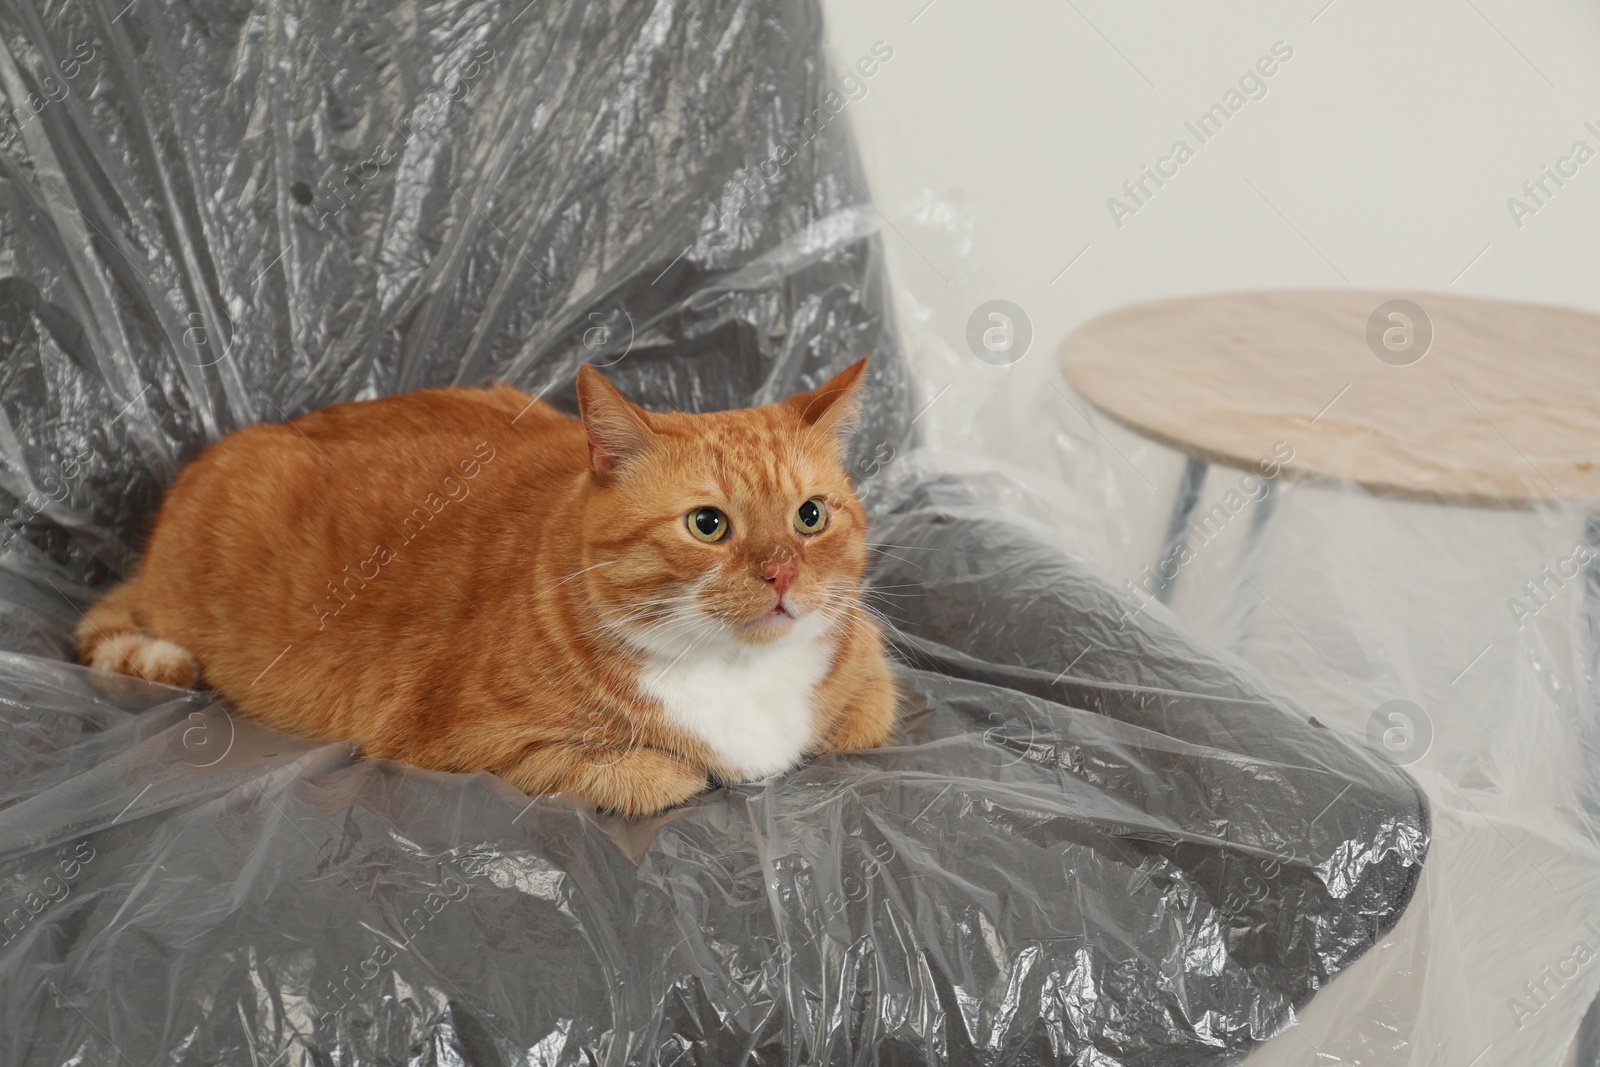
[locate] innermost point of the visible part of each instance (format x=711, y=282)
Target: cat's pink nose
x=779, y=574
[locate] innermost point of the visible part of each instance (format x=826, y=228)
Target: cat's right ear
x=617, y=430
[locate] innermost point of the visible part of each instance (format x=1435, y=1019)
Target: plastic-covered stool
x=1344, y=378
x=1429, y=398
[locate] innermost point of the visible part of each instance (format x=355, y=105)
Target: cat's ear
x=617, y=430
x=832, y=406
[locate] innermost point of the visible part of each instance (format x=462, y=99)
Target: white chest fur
x=753, y=705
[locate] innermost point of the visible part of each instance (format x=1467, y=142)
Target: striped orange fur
x=468, y=579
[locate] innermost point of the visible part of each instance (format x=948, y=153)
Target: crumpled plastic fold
x=1097, y=841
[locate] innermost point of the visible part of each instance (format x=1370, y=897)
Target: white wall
x=1381, y=157
x=1390, y=141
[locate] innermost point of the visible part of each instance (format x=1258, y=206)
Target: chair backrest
x=219, y=218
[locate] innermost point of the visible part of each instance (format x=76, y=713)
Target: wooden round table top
x=1416, y=394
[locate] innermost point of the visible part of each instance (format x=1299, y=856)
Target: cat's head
x=736, y=525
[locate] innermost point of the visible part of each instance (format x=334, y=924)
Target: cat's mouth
x=772, y=622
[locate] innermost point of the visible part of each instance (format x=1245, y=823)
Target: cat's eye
x=707, y=524
x=812, y=516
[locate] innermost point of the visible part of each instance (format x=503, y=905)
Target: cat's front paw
x=858, y=732
x=867, y=723
x=635, y=781
x=644, y=782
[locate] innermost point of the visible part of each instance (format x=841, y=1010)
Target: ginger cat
x=617, y=606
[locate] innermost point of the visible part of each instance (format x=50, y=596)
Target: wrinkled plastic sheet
x=1097, y=841
x=1462, y=638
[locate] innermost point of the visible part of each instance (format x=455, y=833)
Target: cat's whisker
x=618, y=620
x=902, y=559
x=644, y=607
x=633, y=611
x=584, y=570
x=646, y=611
x=662, y=628
x=640, y=626
x=677, y=608
x=847, y=603
x=676, y=598
x=623, y=632
x=704, y=633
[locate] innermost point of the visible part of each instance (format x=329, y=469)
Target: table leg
x=1255, y=537
x=1589, y=623
x=1589, y=664
x=1183, y=505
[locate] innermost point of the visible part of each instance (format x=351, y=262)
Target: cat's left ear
x=832, y=406
x=616, y=428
